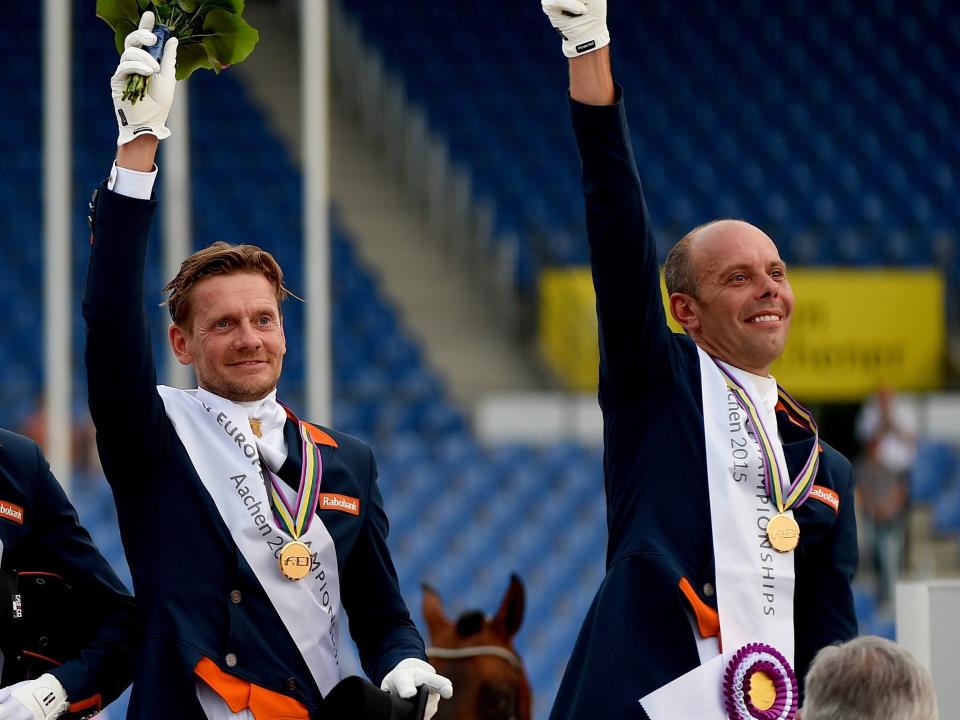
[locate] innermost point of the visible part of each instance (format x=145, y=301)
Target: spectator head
x=868, y=678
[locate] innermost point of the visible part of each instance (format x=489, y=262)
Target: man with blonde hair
x=868, y=678
x=248, y=531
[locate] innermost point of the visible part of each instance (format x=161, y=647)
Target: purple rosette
x=747, y=663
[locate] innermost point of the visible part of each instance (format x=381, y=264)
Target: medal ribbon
x=799, y=489
x=296, y=519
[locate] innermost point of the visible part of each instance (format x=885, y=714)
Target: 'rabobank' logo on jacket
x=9, y=511
x=343, y=503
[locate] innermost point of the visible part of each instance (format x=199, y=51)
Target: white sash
x=221, y=446
x=754, y=583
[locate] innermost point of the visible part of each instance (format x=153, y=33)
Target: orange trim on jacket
x=91, y=703
x=708, y=619
x=55, y=663
x=316, y=434
x=240, y=695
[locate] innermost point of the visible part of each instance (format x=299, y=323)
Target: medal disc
x=295, y=560
x=784, y=533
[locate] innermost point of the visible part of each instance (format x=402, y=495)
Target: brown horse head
x=476, y=652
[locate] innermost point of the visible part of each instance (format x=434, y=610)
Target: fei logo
x=784, y=533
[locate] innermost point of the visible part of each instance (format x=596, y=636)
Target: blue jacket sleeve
x=121, y=374
x=104, y=667
x=379, y=619
x=823, y=609
x=634, y=336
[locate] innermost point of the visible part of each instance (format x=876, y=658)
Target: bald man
x=728, y=517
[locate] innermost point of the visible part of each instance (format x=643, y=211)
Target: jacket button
x=230, y=660
x=708, y=589
x=291, y=684
x=236, y=597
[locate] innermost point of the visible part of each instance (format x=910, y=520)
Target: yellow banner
x=852, y=331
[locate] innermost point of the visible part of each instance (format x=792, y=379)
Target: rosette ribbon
x=759, y=684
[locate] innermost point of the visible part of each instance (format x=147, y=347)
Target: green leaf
x=188, y=6
x=124, y=28
x=233, y=38
x=233, y=6
x=192, y=57
x=113, y=12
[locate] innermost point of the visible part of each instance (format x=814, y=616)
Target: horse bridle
x=476, y=651
x=473, y=651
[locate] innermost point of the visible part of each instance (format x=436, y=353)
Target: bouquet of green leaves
x=212, y=33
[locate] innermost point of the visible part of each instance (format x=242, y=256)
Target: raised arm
x=634, y=337
x=591, y=79
x=120, y=365
x=139, y=154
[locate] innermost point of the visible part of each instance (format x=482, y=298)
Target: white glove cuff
x=127, y=134
x=44, y=697
x=146, y=118
x=575, y=48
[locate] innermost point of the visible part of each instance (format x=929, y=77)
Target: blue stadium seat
x=797, y=131
x=816, y=86
x=946, y=511
x=936, y=463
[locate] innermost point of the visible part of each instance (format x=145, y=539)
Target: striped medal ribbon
x=295, y=557
x=782, y=530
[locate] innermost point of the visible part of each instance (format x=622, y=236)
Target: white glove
x=40, y=699
x=148, y=115
x=581, y=23
x=410, y=674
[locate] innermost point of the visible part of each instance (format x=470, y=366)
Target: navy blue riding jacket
x=84, y=619
x=636, y=636
x=200, y=597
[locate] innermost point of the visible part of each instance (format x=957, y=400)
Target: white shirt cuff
x=131, y=183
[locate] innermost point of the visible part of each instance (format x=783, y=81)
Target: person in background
x=887, y=433
x=69, y=630
x=868, y=678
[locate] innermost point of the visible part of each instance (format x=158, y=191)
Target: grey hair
x=678, y=271
x=868, y=678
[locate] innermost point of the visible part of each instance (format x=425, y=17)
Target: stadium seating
x=737, y=109
x=442, y=489
x=783, y=148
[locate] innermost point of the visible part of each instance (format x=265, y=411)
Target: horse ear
x=432, y=606
x=510, y=615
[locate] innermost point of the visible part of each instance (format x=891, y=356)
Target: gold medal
x=257, y=426
x=784, y=533
x=295, y=560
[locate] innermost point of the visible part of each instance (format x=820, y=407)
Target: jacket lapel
x=291, y=468
x=797, y=442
